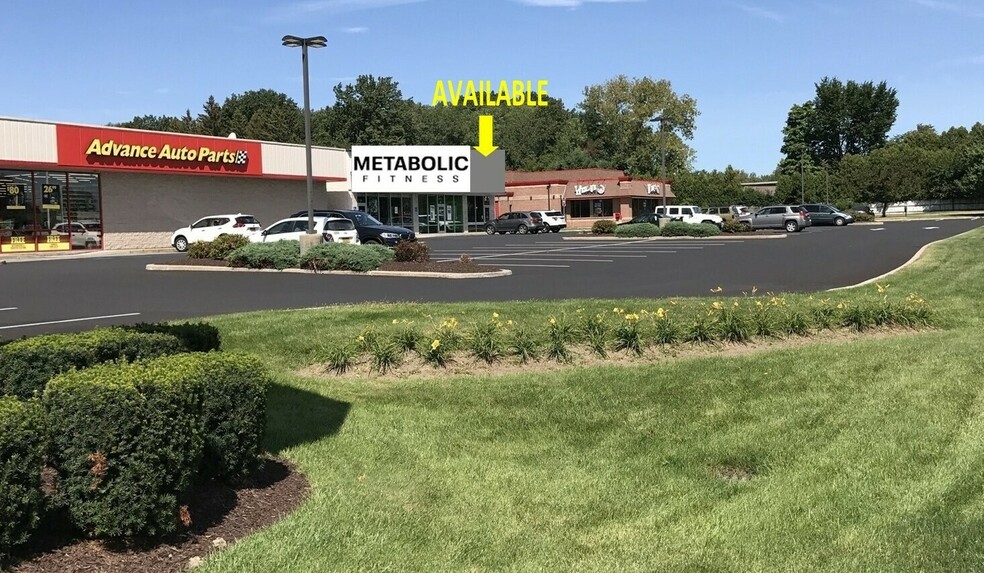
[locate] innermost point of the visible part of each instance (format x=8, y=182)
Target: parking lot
x=75, y=294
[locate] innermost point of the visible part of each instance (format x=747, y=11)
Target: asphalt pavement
x=80, y=293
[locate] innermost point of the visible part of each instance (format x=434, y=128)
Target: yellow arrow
x=485, y=146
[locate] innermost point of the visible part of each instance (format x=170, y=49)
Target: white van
x=688, y=214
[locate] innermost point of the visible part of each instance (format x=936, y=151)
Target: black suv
x=370, y=230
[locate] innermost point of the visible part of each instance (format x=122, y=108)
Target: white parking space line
x=69, y=320
x=930, y=228
x=521, y=253
x=556, y=260
x=879, y=229
x=508, y=265
x=8, y=308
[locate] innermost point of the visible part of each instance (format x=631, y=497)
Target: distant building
x=583, y=195
x=764, y=187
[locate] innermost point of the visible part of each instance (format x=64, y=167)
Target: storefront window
x=644, y=206
x=40, y=211
x=591, y=208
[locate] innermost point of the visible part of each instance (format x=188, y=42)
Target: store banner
x=50, y=196
x=455, y=169
x=129, y=150
x=15, y=195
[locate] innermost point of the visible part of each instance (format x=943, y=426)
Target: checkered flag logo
x=241, y=157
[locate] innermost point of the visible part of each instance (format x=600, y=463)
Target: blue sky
x=744, y=61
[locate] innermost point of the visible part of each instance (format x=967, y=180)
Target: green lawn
x=866, y=455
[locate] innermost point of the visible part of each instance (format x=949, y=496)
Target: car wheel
x=522, y=229
x=556, y=229
x=490, y=229
x=181, y=244
x=90, y=244
x=372, y=242
x=791, y=226
x=840, y=222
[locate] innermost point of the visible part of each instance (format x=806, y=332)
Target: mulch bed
x=220, y=515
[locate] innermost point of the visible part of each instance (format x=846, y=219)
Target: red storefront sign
x=118, y=149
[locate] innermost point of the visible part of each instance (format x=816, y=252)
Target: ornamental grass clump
x=595, y=330
x=367, y=339
x=560, y=335
x=627, y=335
x=700, y=330
x=524, y=345
x=341, y=358
x=385, y=356
x=486, y=342
x=407, y=337
x=733, y=324
x=795, y=321
x=448, y=334
x=436, y=353
x=665, y=330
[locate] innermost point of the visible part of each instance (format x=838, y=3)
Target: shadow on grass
x=296, y=417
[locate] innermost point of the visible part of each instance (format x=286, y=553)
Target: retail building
x=583, y=195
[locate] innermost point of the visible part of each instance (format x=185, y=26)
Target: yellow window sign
x=17, y=240
x=54, y=239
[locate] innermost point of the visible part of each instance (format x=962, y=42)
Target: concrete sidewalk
x=90, y=254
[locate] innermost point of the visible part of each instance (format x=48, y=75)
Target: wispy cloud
x=355, y=30
x=570, y=3
x=309, y=7
x=965, y=61
x=760, y=12
x=942, y=6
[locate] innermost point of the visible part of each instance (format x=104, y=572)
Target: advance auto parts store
x=66, y=187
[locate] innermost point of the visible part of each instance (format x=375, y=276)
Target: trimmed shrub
x=22, y=446
x=126, y=442
x=603, y=227
x=732, y=226
x=129, y=440
x=341, y=257
x=26, y=365
x=680, y=229
x=637, y=230
x=412, y=252
x=234, y=398
x=277, y=255
x=382, y=251
x=195, y=336
x=218, y=249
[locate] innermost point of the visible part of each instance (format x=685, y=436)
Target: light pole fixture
x=303, y=44
x=662, y=155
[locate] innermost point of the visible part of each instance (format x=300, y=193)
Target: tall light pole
x=662, y=156
x=303, y=44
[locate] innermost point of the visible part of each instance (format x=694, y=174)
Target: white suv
x=688, y=214
x=331, y=229
x=79, y=235
x=212, y=227
x=552, y=220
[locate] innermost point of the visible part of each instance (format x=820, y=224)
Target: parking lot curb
x=93, y=254
x=426, y=275
x=718, y=237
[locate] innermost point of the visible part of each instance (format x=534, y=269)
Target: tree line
x=835, y=148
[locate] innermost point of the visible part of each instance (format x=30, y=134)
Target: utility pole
x=802, y=184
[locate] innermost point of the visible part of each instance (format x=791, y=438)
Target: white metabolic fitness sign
x=654, y=188
x=411, y=169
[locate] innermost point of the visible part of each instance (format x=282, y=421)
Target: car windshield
x=365, y=219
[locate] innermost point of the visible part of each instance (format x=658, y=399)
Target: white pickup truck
x=689, y=214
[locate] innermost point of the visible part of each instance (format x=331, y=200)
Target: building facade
x=67, y=187
x=583, y=195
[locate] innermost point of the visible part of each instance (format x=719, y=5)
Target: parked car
x=212, y=227
x=652, y=218
x=791, y=218
x=521, y=222
x=79, y=234
x=369, y=228
x=689, y=214
x=331, y=229
x=821, y=214
x=552, y=220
